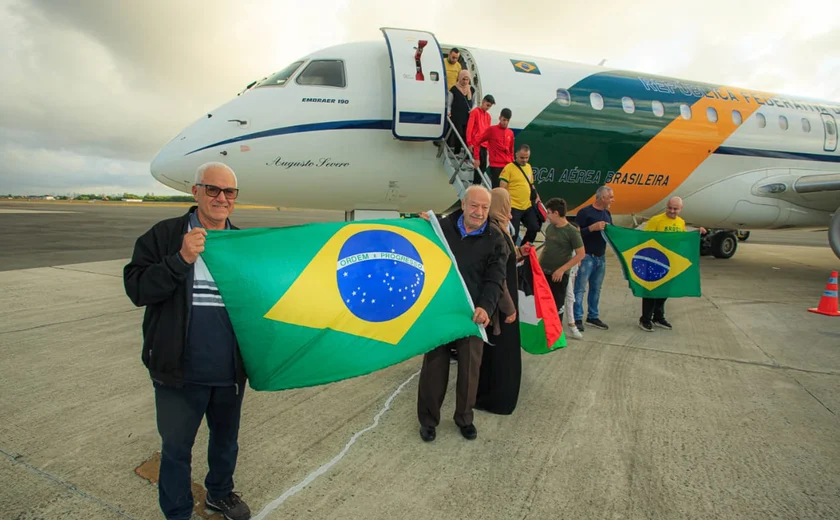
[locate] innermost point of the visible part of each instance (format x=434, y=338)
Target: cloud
x=37, y=170
x=117, y=80
x=105, y=82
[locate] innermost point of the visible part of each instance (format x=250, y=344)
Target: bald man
x=189, y=347
x=479, y=250
x=653, y=309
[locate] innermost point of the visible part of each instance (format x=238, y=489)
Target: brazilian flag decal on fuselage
x=528, y=67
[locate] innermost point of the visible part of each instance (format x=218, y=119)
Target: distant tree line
x=114, y=197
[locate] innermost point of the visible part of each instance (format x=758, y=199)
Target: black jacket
x=159, y=279
x=481, y=261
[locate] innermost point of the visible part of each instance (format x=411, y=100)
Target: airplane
x=363, y=126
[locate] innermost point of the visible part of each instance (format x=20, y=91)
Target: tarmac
x=733, y=414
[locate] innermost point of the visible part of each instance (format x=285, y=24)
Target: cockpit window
x=323, y=73
x=278, y=79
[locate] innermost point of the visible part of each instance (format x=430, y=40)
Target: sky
x=91, y=90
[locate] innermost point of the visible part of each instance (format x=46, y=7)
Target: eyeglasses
x=213, y=191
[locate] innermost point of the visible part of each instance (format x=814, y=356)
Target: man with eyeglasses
x=189, y=347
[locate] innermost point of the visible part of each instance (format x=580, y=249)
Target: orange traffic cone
x=828, y=302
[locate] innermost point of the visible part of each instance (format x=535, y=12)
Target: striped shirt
x=211, y=343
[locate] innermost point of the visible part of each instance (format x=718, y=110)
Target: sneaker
x=597, y=323
x=231, y=506
x=575, y=333
x=579, y=325
x=646, y=326
x=663, y=323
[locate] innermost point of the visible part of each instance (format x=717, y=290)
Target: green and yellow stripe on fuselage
x=642, y=156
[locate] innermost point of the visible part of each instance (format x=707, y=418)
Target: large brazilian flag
x=658, y=264
x=318, y=303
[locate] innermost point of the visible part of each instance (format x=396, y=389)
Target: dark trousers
x=179, y=414
x=532, y=224
x=558, y=291
x=434, y=377
x=494, y=176
x=653, y=308
x=482, y=157
x=454, y=142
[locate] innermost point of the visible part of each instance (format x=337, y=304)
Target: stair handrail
x=485, y=180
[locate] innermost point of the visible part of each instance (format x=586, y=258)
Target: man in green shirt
x=561, y=240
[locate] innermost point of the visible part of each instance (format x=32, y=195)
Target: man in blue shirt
x=592, y=220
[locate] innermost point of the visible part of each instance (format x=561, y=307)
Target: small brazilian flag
x=319, y=303
x=528, y=67
x=658, y=264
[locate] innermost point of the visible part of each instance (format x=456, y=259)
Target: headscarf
x=499, y=212
x=464, y=86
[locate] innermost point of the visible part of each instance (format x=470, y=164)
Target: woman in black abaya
x=501, y=363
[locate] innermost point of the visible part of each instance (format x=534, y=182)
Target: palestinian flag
x=540, y=328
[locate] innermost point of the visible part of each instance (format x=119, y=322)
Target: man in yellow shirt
x=453, y=68
x=653, y=309
x=518, y=177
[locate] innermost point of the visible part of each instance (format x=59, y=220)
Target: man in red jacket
x=477, y=124
x=499, y=141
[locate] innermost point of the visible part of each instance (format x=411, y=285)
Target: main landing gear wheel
x=724, y=245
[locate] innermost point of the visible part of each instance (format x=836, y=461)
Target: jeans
x=179, y=414
x=591, y=272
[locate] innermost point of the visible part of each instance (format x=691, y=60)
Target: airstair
x=460, y=168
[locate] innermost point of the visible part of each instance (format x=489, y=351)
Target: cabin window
x=685, y=111
x=596, y=100
x=806, y=125
x=737, y=118
x=563, y=97
x=711, y=115
x=783, y=123
x=278, y=79
x=658, y=108
x=628, y=105
x=761, y=120
x=323, y=73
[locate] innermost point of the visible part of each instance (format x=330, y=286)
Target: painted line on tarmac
x=326, y=467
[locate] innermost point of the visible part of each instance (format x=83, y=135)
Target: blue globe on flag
x=380, y=275
x=650, y=264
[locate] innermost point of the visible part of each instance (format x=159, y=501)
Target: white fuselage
x=327, y=147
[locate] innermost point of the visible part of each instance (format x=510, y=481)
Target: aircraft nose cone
x=163, y=168
x=156, y=167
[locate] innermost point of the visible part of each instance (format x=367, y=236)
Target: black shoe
x=597, y=323
x=231, y=506
x=469, y=431
x=646, y=326
x=579, y=325
x=663, y=323
x=427, y=433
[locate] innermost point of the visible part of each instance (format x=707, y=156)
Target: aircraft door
x=418, y=84
x=830, y=132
